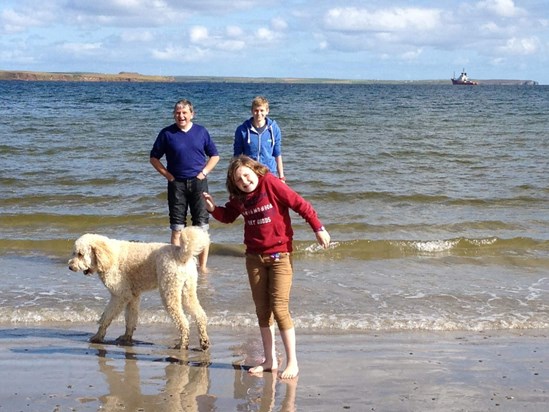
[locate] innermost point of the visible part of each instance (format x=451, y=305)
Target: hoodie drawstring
x=270, y=128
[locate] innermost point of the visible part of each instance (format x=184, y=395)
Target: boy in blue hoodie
x=260, y=138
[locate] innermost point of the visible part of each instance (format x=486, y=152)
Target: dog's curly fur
x=129, y=268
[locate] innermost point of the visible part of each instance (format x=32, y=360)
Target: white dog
x=129, y=268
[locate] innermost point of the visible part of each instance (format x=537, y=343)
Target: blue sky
x=339, y=39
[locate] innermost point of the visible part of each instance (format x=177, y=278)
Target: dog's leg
x=113, y=309
x=171, y=296
x=194, y=308
x=131, y=316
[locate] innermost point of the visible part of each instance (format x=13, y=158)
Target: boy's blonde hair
x=239, y=161
x=260, y=101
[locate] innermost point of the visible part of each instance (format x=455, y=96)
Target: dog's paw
x=96, y=339
x=205, y=344
x=181, y=346
x=124, y=340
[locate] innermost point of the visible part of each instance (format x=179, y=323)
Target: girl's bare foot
x=264, y=367
x=290, y=372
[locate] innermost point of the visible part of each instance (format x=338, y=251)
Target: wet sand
x=55, y=368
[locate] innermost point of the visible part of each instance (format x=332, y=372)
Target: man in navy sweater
x=190, y=155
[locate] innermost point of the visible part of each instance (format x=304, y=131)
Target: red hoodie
x=267, y=223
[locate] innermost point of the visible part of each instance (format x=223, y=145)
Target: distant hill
x=81, y=77
x=136, y=77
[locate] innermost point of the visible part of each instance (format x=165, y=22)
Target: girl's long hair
x=237, y=162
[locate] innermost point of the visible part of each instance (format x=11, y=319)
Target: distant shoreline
x=136, y=77
x=81, y=77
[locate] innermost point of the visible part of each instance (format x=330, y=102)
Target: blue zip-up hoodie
x=262, y=147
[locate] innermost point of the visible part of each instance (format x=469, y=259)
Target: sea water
x=436, y=198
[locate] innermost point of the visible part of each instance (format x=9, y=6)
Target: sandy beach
x=57, y=369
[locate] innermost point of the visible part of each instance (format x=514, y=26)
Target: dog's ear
x=103, y=255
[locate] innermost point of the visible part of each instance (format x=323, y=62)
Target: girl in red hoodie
x=264, y=202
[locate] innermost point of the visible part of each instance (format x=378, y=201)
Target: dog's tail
x=193, y=241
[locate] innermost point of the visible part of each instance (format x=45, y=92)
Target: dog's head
x=91, y=254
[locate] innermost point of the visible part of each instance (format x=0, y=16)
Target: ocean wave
x=361, y=249
x=394, y=249
x=318, y=321
x=112, y=188
x=420, y=198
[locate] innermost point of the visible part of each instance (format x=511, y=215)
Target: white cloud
x=234, y=31
x=503, y=8
x=490, y=27
x=80, y=48
x=136, y=36
x=16, y=21
x=204, y=45
x=231, y=39
x=521, y=46
x=198, y=34
x=398, y=33
x=16, y=56
x=412, y=54
x=13, y=22
x=265, y=34
x=124, y=13
x=498, y=61
x=279, y=24
x=231, y=45
x=394, y=19
x=180, y=54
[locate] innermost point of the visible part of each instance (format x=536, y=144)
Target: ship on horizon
x=463, y=80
